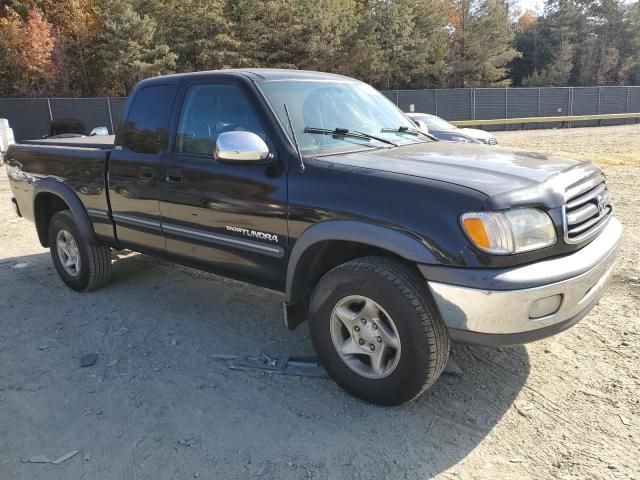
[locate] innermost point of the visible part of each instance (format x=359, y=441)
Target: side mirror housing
x=241, y=147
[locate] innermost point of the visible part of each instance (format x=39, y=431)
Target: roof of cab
x=256, y=74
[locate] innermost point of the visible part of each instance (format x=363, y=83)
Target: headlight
x=511, y=231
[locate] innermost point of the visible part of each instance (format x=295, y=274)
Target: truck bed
x=102, y=142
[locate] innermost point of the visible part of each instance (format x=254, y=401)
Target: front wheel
x=376, y=331
x=82, y=265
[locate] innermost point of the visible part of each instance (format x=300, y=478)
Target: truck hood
x=490, y=170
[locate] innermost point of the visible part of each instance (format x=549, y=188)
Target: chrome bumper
x=507, y=311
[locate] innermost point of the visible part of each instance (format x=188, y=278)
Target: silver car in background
x=440, y=128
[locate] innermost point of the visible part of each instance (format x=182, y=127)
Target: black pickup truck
x=391, y=244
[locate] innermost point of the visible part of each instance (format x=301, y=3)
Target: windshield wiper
x=345, y=132
x=411, y=130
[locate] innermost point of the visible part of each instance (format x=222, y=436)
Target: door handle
x=146, y=173
x=173, y=179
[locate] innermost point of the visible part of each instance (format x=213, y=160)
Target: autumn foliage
x=103, y=47
x=28, y=49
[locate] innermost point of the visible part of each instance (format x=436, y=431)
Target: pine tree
x=199, y=32
x=127, y=50
x=480, y=44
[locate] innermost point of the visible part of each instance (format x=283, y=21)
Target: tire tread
x=99, y=256
x=413, y=287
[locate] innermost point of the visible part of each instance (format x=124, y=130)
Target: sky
x=538, y=5
x=535, y=5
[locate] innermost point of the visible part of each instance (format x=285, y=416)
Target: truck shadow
x=164, y=324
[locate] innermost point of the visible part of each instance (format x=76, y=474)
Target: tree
x=27, y=48
x=200, y=32
x=305, y=34
x=127, y=50
x=630, y=69
x=75, y=25
x=557, y=74
x=480, y=44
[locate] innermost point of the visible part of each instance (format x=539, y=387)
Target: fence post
x=626, y=120
x=506, y=106
x=570, y=103
x=539, y=105
x=435, y=94
x=599, y=88
x=113, y=132
x=472, y=92
x=50, y=112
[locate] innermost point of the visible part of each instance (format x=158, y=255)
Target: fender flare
x=78, y=210
x=397, y=241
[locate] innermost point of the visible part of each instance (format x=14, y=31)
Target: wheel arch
x=326, y=245
x=51, y=197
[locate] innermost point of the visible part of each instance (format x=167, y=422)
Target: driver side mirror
x=421, y=125
x=241, y=147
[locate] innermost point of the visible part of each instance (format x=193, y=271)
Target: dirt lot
x=158, y=405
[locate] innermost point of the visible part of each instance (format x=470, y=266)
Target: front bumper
x=496, y=307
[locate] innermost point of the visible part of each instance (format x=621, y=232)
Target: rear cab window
x=145, y=129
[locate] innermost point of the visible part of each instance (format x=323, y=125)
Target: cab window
x=145, y=130
x=209, y=110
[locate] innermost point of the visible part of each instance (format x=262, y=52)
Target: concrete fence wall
x=30, y=117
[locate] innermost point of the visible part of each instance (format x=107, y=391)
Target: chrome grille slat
x=581, y=214
x=588, y=224
x=587, y=208
x=587, y=197
x=584, y=185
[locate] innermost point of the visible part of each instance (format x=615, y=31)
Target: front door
x=226, y=218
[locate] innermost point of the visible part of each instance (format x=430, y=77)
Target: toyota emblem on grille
x=601, y=205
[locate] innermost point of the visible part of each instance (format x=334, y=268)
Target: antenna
x=295, y=139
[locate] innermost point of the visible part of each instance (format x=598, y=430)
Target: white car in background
x=443, y=130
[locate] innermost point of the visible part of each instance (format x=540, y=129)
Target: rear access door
x=134, y=168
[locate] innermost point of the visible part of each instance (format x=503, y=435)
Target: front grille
x=587, y=208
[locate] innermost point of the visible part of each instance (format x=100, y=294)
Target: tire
x=94, y=265
x=414, y=347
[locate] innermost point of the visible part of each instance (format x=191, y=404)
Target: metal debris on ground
x=302, y=367
x=66, y=457
x=282, y=364
x=88, y=360
x=45, y=459
x=37, y=459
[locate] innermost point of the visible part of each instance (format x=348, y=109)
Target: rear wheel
x=82, y=265
x=376, y=331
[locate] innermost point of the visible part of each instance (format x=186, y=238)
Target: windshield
x=331, y=105
x=434, y=123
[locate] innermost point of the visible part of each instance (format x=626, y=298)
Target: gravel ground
x=603, y=145
x=158, y=405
